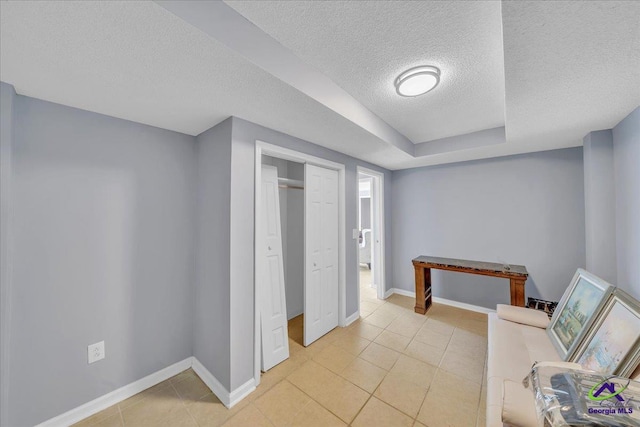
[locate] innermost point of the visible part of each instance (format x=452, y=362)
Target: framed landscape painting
x=581, y=302
x=612, y=345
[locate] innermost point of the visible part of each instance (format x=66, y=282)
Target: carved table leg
x=517, y=291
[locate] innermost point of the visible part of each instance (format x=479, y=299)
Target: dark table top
x=510, y=269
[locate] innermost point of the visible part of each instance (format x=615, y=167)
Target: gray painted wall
x=212, y=294
x=244, y=136
x=7, y=102
x=525, y=209
x=599, y=201
x=104, y=249
x=626, y=146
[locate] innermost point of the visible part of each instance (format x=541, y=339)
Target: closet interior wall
x=292, y=225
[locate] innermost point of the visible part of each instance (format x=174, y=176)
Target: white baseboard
x=439, y=300
x=463, y=305
x=227, y=398
x=116, y=396
x=398, y=291
x=241, y=392
x=125, y=392
x=349, y=320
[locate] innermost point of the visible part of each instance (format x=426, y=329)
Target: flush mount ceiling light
x=417, y=80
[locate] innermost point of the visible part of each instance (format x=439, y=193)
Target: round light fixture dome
x=417, y=80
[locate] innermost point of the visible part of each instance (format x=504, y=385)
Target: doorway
x=371, y=278
x=319, y=264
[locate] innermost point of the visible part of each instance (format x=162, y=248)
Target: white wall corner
x=349, y=320
x=228, y=399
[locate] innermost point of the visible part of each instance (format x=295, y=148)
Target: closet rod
x=297, y=187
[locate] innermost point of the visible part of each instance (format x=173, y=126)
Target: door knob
x=269, y=247
x=314, y=264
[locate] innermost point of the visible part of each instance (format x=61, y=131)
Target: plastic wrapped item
x=573, y=397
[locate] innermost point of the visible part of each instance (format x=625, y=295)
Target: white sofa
x=514, y=345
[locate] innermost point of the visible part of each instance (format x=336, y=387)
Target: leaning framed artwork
x=612, y=345
x=576, y=312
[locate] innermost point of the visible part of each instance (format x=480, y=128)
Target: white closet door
x=273, y=310
x=321, y=252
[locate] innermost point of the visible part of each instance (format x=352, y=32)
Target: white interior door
x=321, y=252
x=273, y=310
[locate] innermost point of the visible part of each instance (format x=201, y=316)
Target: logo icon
x=596, y=392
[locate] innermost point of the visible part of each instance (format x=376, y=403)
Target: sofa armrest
x=525, y=316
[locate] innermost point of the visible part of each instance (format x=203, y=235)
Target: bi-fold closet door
x=321, y=262
x=270, y=274
x=321, y=252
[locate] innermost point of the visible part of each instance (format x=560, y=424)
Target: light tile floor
x=392, y=367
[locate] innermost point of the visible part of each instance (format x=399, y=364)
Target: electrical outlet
x=95, y=352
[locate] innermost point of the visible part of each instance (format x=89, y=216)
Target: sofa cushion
x=526, y=316
x=518, y=405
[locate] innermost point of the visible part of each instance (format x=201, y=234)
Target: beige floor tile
x=380, y=319
x=210, y=412
x=468, y=341
x=267, y=381
x=188, y=374
x=344, y=399
x=439, y=411
x=465, y=365
x=439, y=326
x=392, y=309
x=424, y=352
x=191, y=389
x=433, y=338
x=249, y=416
x=162, y=389
x=314, y=415
x=377, y=413
x=110, y=412
x=380, y=356
x=311, y=378
x=392, y=340
x=282, y=403
x=368, y=306
x=403, y=301
x=364, y=374
x=455, y=388
x=331, y=391
x=474, y=326
x=414, y=370
x=365, y=330
x=401, y=393
x=405, y=326
x=419, y=424
x=158, y=412
x=334, y=358
x=352, y=343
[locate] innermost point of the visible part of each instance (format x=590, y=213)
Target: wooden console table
x=517, y=275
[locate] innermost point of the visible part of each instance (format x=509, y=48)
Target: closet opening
x=299, y=252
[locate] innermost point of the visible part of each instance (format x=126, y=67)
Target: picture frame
x=576, y=311
x=612, y=344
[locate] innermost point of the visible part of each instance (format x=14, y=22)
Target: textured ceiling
x=137, y=61
x=570, y=67
x=364, y=46
x=566, y=68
